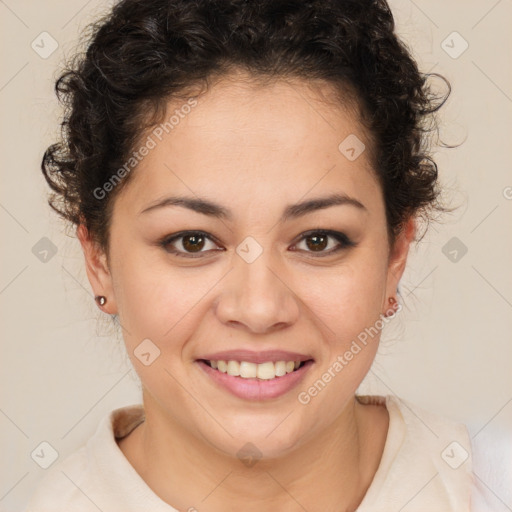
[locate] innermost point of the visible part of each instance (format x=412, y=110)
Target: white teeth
x=263, y=371
x=248, y=370
x=280, y=368
x=233, y=368
x=266, y=371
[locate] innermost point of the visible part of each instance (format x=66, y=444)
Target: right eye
x=192, y=243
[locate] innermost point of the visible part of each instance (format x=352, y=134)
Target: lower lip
x=257, y=389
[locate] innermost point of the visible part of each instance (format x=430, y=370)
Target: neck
x=330, y=472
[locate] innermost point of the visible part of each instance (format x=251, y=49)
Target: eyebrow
x=292, y=211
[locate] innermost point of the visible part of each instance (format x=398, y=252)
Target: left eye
x=315, y=241
x=318, y=241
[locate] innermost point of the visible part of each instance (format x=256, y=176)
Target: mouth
x=247, y=370
x=262, y=377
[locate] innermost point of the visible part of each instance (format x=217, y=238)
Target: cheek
x=348, y=298
x=347, y=307
x=153, y=299
x=167, y=305
x=159, y=312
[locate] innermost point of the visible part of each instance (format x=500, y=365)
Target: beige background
x=450, y=350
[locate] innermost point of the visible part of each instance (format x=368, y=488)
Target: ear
x=97, y=269
x=398, y=259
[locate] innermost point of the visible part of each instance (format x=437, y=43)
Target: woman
x=246, y=179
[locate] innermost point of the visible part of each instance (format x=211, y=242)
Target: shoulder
x=473, y=471
x=79, y=482
x=426, y=463
x=486, y=454
x=61, y=486
x=492, y=468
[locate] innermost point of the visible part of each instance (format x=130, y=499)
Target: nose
x=257, y=297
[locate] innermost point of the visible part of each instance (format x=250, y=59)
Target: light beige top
x=426, y=466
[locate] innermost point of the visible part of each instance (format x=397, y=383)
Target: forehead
x=244, y=140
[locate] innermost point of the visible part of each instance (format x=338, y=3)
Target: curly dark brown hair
x=144, y=53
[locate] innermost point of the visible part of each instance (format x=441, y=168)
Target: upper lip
x=256, y=357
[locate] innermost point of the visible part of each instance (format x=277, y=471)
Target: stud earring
x=100, y=299
x=393, y=306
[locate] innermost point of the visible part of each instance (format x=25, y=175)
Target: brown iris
x=193, y=243
x=320, y=242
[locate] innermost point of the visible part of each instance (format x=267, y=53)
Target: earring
x=100, y=299
x=393, y=304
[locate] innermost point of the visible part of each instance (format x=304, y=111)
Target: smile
x=247, y=370
x=255, y=381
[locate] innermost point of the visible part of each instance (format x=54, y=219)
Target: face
x=246, y=275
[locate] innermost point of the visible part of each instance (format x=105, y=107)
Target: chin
x=270, y=439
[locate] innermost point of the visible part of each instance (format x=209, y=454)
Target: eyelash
x=344, y=241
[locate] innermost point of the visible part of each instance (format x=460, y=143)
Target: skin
x=253, y=150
